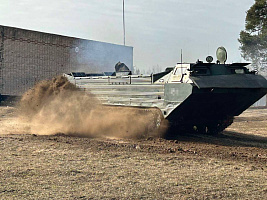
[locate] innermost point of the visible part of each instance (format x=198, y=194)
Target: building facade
x=27, y=57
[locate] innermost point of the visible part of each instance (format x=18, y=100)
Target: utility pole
x=123, y=23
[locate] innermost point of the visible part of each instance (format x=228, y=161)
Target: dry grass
x=61, y=167
x=251, y=122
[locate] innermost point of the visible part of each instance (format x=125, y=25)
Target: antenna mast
x=123, y=23
x=181, y=56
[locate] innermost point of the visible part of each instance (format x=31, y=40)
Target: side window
x=239, y=71
x=201, y=71
x=174, y=71
x=179, y=71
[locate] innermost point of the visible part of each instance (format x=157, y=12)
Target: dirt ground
x=232, y=165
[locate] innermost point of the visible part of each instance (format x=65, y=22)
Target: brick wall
x=27, y=57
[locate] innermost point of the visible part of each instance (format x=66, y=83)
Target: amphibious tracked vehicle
x=195, y=97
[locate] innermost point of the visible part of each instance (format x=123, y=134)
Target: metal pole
x=181, y=56
x=182, y=65
x=2, y=42
x=123, y=24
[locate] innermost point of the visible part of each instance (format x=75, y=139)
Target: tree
x=136, y=70
x=253, y=39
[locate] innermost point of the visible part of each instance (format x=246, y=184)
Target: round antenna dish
x=209, y=59
x=221, y=54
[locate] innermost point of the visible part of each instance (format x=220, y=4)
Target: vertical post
x=182, y=65
x=2, y=32
x=181, y=56
x=123, y=23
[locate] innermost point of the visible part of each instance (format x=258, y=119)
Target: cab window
x=201, y=71
x=238, y=71
x=179, y=70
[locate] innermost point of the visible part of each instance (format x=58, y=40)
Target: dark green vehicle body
x=199, y=97
x=215, y=94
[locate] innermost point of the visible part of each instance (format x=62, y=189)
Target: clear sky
x=157, y=29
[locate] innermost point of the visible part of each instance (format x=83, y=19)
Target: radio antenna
x=181, y=56
x=123, y=22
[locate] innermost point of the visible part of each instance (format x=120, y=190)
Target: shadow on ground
x=226, y=138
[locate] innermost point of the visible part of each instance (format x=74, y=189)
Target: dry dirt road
x=230, y=166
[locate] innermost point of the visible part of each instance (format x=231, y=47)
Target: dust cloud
x=57, y=106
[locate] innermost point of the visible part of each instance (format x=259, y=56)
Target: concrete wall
x=27, y=57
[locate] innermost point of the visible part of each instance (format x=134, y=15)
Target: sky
x=157, y=29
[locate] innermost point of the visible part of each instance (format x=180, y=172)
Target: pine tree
x=253, y=39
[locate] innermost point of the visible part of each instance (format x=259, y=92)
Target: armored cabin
x=27, y=57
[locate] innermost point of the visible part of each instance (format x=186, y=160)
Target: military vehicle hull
x=209, y=103
x=212, y=110
x=191, y=102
